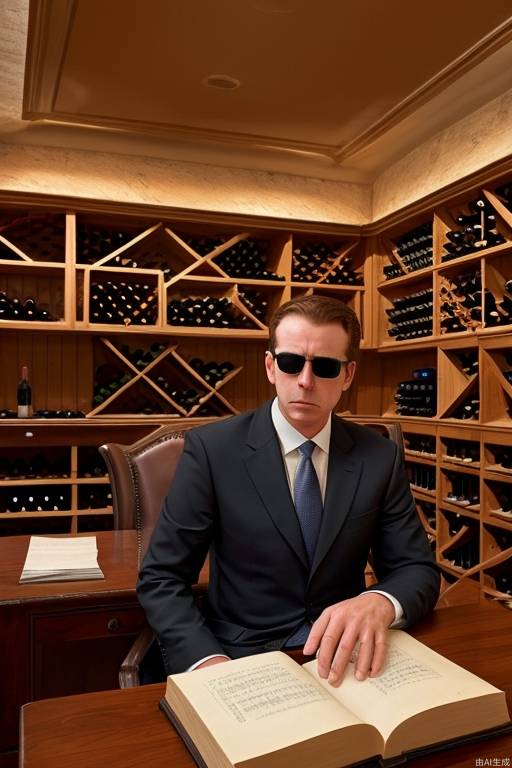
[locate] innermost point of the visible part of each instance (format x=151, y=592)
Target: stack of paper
x=62, y=559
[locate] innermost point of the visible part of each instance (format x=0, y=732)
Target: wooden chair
x=140, y=476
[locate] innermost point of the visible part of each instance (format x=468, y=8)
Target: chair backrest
x=140, y=475
x=392, y=430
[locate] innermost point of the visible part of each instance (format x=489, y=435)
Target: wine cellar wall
x=442, y=355
x=128, y=319
x=126, y=323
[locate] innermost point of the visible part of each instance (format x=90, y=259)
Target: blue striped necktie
x=307, y=498
x=308, y=505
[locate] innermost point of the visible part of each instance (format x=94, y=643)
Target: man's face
x=306, y=400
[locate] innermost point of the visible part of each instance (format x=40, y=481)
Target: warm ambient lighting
x=225, y=82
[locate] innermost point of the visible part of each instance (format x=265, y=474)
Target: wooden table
x=122, y=729
x=64, y=637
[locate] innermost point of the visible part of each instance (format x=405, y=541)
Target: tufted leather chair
x=140, y=475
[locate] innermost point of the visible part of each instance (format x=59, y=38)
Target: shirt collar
x=290, y=438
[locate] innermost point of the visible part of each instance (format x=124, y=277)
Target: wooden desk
x=125, y=728
x=66, y=637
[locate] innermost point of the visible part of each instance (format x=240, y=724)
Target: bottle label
x=24, y=411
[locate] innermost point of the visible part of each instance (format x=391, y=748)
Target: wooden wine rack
x=483, y=526
x=63, y=356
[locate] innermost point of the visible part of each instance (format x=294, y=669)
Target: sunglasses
x=323, y=367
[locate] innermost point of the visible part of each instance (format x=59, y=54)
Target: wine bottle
x=19, y=469
x=415, y=398
x=411, y=316
x=469, y=361
x=314, y=262
x=421, y=444
x=12, y=308
x=14, y=502
x=123, y=303
x=246, y=259
x=24, y=395
x=5, y=468
x=504, y=583
x=93, y=243
x=422, y=476
x=505, y=459
x=30, y=308
x=225, y=367
x=414, y=249
x=465, y=554
x=7, y=254
x=205, y=312
x=392, y=270
x=455, y=522
x=429, y=512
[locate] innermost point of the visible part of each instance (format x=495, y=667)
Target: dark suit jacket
x=230, y=496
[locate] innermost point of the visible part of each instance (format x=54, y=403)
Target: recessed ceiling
x=334, y=80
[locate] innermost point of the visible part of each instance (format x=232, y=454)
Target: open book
x=266, y=711
x=61, y=559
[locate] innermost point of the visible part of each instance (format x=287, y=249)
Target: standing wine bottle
x=24, y=395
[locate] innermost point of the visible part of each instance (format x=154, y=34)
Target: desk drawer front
x=82, y=650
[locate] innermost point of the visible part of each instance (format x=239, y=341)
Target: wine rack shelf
x=55, y=484
x=129, y=319
x=177, y=387
x=127, y=322
x=443, y=302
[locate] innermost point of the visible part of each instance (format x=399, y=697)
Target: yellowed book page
x=414, y=680
x=262, y=703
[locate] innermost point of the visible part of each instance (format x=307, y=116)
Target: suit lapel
x=266, y=468
x=342, y=480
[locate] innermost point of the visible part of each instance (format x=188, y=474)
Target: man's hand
x=364, y=620
x=211, y=662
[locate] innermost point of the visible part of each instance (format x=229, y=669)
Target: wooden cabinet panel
x=62, y=638
x=82, y=650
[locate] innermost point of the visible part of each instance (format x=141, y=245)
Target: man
x=289, y=500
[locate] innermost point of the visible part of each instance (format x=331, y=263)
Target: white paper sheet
x=61, y=559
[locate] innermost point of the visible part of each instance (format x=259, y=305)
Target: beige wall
x=99, y=175
x=465, y=147
x=472, y=143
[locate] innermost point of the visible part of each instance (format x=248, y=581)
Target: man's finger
x=334, y=661
x=315, y=635
x=365, y=656
x=379, y=654
x=329, y=646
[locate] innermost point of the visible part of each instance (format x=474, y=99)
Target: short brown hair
x=319, y=310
